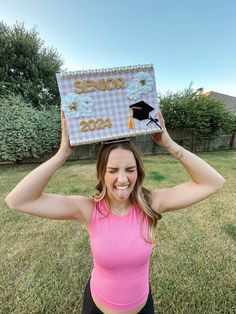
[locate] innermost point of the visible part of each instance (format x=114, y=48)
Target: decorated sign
x=101, y=105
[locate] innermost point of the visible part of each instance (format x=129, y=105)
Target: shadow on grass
x=230, y=229
x=156, y=176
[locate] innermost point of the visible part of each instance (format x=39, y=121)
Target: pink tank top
x=121, y=257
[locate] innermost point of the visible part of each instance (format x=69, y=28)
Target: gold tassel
x=131, y=121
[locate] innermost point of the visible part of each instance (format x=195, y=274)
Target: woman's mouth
x=121, y=187
x=122, y=191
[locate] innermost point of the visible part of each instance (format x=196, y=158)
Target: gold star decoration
x=143, y=82
x=73, y=106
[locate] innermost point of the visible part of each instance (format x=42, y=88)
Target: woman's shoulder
x=84, y=208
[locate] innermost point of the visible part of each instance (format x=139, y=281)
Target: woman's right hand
x=162, y=138
x=65, y=147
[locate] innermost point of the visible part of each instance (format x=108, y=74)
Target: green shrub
x=203, y=115
x=26, y=131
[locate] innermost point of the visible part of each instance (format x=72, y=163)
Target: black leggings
x=89, y=307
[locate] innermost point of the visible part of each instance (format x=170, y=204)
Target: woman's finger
x=62, y=114
x=63, y=121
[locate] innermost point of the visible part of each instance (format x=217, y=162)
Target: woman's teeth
x=122, y=187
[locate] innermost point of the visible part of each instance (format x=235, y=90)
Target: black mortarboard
x=141, y=111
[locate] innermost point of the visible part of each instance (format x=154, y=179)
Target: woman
x=121, y=219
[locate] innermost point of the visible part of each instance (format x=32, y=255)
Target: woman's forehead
x=121, y=156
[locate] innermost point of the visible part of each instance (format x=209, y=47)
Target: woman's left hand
x=161, y=138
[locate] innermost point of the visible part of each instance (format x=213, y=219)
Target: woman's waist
x=119, y=293
x=104, y=309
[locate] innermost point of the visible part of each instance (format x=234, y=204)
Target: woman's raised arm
x=29, y=197
x=204, y=182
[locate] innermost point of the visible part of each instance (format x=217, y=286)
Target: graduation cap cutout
x=141, y=111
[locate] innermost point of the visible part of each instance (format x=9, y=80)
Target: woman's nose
x=122, y=176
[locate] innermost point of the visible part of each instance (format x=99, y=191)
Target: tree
x=203, y=115
x=27, y=67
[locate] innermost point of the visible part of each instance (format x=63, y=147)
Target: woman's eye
x=131, y=170
x=128, y=170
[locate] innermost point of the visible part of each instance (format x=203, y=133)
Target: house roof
x=227, y=100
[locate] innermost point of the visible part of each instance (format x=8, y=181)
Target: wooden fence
x=214, y=143
x=146, y=146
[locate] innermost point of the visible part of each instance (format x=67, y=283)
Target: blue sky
x=188, y=41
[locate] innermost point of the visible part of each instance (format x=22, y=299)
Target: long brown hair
x=140, y=195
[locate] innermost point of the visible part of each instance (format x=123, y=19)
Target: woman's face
x=121, y=174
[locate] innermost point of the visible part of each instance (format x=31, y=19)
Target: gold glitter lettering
x=87, y=86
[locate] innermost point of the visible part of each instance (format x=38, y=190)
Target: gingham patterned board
x=100, y=115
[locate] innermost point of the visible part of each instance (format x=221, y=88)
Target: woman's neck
x=119, y=207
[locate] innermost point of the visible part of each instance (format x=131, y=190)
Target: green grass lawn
x=45, y=264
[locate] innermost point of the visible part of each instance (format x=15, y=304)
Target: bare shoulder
x=83, y=208
x=157, y=200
